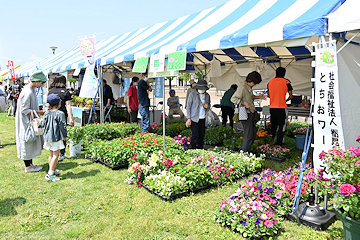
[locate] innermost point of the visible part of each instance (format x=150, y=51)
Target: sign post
x=327, y=123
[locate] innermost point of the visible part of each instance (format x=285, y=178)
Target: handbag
x=243, y=115
x=256, y=116
x=209, y=118
x=35, y=123
x=240, y=114
x=30, y=134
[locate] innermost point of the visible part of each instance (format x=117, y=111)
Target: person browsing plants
x=197, y=104
x=132, y=100
x=245, y=97
x=55, y=133
x=27, y=103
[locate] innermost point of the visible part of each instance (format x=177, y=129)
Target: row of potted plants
x=120, y=150
x=94, y=132
x=169, y=175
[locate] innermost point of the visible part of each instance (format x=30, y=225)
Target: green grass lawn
x=91, y=201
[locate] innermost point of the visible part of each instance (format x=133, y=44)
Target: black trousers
x=15, y=106
x=133, y=116
x=227, y=111
x=278, y=118
x=198, y=133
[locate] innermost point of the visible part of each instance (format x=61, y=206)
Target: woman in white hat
x=197, y=104
x=27, y=102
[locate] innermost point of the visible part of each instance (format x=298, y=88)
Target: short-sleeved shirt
x=64, y=95
x=277, y=88
x=134, y=100
x=143, y=94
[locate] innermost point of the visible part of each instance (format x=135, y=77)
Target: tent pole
x=348, y=42
x=100, y=75
x=163, y=114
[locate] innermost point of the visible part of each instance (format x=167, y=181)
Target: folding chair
x=108, y=113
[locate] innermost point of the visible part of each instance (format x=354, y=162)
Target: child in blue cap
x=55, y=132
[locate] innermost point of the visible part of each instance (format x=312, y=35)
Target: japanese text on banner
x=327, y=115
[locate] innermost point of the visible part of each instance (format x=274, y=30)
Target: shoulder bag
x=35, y=120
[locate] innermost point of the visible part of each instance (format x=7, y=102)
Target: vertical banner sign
x=177, y=61
x=12, y=70
x=87, y=48
x=125, y=89
x=159, y=87
x=157, y=63
x=90, y=83
x=140, y=65
x=328, y=130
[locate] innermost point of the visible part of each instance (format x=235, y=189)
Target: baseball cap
x=53, y=99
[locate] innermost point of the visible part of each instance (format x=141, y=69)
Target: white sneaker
x=51, y=178
x=62, y=157
x=35, y=168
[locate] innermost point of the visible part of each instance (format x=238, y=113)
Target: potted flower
x=276, y=153
x=300, y=137
x=344, y=182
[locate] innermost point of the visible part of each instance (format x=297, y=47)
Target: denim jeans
x=145, y=118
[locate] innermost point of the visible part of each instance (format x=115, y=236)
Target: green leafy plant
x=75, y=134
x=217, y=135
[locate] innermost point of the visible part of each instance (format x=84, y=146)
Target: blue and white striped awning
x=235, y=31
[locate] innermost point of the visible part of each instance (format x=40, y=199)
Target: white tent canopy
x=346, y=18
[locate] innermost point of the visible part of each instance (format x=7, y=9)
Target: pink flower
x=357, y=164
x=268, y=224
x=358, y=138
x=278, y=195
x=263, y=217
x=322, y=155
x=347, y=189
x=275, y=221
x=222, y=204
x=269, y=214
x=358, y=188
x=233, y=209
x=356, y=151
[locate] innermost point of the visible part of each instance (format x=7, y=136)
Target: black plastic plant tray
x=115, y=167
x=92, y=159
x=279, y=160
x=193, y=190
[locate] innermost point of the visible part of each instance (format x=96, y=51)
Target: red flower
x=216, y=176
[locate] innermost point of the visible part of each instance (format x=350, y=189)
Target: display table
x=298, y=111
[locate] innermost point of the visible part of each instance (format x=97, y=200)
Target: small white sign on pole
x=327, y=122
x=157, y=63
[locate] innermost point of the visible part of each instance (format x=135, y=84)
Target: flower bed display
x=93, y=132
x=258, y=207
x=170, y=176
x=120, y=151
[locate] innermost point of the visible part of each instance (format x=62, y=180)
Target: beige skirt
x=54, y=146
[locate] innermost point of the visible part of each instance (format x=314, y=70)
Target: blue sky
x=30, y=28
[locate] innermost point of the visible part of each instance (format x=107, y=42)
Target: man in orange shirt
x=277, y=89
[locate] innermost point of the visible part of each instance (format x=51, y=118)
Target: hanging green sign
x=140, y=65
x=177, y=61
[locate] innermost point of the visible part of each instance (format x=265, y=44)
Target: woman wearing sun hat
x=197, y=103
x=27, y=102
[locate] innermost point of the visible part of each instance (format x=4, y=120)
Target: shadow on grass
x=8, y=144
x=7, y=206
x=82, y=174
